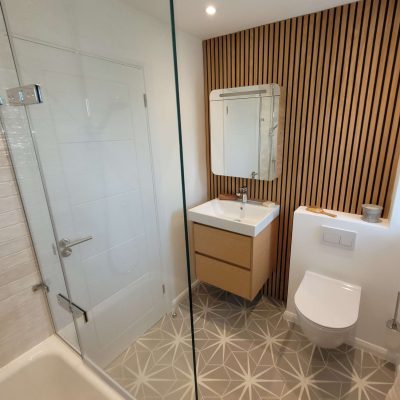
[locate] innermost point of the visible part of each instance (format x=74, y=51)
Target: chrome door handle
x=66, y=244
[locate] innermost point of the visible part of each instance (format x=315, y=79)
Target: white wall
x=394, y=215
x=374, y=264
x=394, y=218
x=137, y=38
x=191, y=89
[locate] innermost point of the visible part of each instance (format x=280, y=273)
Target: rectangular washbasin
x=244, y=218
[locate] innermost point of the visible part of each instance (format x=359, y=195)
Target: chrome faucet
x=242, y=194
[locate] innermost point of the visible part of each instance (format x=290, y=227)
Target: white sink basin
x=247, y=219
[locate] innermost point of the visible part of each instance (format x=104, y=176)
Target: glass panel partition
x=90, y=161
x=15, y=124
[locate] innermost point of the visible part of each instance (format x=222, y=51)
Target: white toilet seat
x=327, y=309
x=328, y=303
x=314, y=325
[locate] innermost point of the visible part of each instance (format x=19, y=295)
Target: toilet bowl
x=327, y=309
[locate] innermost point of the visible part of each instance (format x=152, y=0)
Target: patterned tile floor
x=245, y=351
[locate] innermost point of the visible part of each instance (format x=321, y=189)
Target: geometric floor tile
x=244, y=351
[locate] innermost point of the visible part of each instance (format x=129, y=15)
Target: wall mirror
x=246, y=125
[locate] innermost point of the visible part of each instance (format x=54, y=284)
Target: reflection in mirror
x=245, y=126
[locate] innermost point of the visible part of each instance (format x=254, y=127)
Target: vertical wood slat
x=393, y=81
x=341, y=85
x=359, y=94
x=352, y=54
x=339, y=70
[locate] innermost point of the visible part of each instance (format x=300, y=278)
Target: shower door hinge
x=24, y=95
x=145, y=99
x=163, y=289
x=40, y=286
x=75, y=310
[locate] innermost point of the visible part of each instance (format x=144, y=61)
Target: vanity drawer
x=225, y=276
x=227, y=246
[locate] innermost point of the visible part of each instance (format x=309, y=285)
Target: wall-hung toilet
x=327, y=309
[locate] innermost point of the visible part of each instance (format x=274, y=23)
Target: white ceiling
x=231, y=15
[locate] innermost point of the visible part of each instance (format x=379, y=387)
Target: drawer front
x=225, y=276
x=226, y=246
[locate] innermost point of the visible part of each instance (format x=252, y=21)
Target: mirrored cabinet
x=246, y=125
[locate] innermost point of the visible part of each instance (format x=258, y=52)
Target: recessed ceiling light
x=210, y=10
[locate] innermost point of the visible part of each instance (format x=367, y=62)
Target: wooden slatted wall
x=340, y=69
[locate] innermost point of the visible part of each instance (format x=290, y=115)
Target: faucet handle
x=243, y=189
x=253, y=175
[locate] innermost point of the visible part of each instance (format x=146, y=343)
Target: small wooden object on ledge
x=318, y=210
x=230, y=196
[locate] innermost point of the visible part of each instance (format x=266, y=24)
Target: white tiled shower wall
x=24, y=319
x=23, y=313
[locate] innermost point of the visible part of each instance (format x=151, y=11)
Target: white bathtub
x=52, y=371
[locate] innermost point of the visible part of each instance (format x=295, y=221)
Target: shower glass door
x=92, y=156
x=92, y=138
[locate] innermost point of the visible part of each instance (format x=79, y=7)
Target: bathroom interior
x=224, y=222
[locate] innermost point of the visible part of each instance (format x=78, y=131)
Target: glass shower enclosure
x=88, y=101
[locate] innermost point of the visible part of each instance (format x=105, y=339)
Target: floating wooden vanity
x=236, y=263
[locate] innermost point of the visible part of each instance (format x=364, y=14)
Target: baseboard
x=181, y=296
x=358, y=343
x=378, y=351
